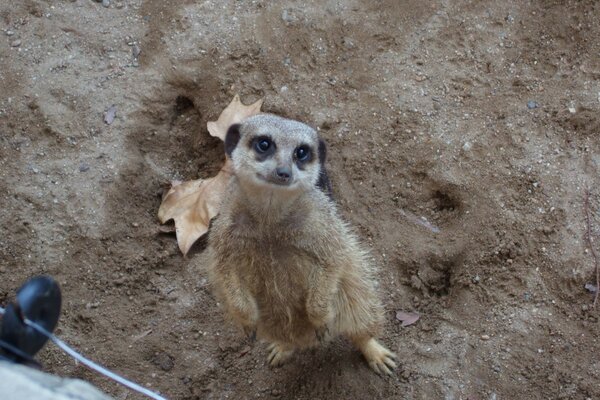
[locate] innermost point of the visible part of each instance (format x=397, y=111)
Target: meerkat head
x=275, y=153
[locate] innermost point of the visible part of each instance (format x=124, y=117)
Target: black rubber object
x=38, y=300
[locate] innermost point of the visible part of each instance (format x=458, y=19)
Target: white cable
x=96, y=367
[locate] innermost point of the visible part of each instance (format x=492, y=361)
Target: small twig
x=586, y=206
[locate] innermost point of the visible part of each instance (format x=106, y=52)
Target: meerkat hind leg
x=278, y=354
x=380, y=359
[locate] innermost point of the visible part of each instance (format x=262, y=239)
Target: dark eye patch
x=303, y=154
x=263, y=146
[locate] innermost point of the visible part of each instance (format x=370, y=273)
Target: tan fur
x=284, y=263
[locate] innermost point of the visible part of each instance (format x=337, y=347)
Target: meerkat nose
x=284, y=174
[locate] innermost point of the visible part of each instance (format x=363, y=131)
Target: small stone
x=288, y=16
x=420, y=78
x=348, y=43
x=15, y=43
x=532, y=104
x=106, y=3
x=84, y=167
x=485, y=337
x=92, y=305
x=476, y=279
x=9, y=33
x=136, y=51
x=164, y=362
x=467, y=146
x=135, y=224
x=275, y=393
x=119, y=5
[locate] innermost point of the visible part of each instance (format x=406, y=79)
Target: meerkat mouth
x=274, y=181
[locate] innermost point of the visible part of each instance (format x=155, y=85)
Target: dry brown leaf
x=234, y=113
x=192, y=204
x=407, y=318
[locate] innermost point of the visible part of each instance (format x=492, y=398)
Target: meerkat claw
x=380, y=359
x=322, y=333
x=250, y=333
x=278, y=355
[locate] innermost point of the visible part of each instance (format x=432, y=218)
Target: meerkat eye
x=303, y=153
x=263, y=144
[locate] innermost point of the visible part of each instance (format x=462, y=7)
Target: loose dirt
x=462, y=136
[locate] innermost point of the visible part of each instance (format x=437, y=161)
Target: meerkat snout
x=283, y=175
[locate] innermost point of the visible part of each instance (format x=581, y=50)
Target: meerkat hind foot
x=278, y=354
x=380, y=359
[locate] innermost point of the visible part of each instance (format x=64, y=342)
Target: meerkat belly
x=277, y=278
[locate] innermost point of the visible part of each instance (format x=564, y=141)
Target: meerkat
x=284, y=264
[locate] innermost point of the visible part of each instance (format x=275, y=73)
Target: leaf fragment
x=234, y=113
x=407, y=318
x=192, y=204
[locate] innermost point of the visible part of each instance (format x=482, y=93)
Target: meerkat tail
x=380, y=359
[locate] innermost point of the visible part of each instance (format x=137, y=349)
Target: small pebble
x=106, y=3
x=476, y=279
x=485, y=337
x=15, y=43
x=9, y=33
x=84, y=167
x=467, y=146
x=136, y=51
x=532, y=104
x=348, y=43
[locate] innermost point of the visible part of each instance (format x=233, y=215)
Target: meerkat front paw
x=278, y=354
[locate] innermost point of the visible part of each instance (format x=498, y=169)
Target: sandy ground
x=462, y=135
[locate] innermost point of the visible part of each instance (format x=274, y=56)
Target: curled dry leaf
x=192, y=204
x=407, y=318
x=234, y=113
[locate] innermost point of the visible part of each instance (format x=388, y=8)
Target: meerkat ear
x=232, y=138
x=322, y=151
x=324, y=183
